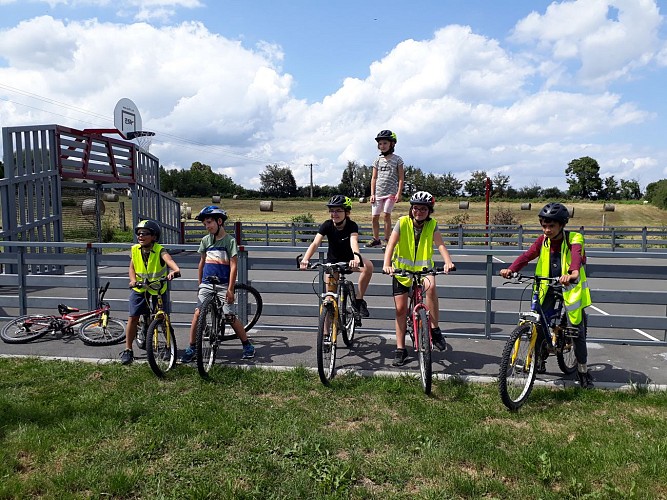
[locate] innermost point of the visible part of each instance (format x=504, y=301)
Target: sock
x=245, y=342
x=582, y=368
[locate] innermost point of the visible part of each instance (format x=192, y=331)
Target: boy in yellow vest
x=411, y=247
x=148, y=259
x=561, y=254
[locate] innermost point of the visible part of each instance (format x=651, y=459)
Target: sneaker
x=248, y=351
x=585, y=380
x=438, y=339
x=189, y=355
x=400, y=357
x=126, y=357
x=373, y=243
x=362, y=307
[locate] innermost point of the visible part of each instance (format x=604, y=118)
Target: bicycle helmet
x=423, y=198
x=386, y=135
x=151, y=226
x=555, y=211
x=338, y=200
x=211, y=211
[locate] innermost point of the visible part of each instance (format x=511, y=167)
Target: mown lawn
x=74, y=430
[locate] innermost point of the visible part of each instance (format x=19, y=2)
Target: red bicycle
x=95, y=327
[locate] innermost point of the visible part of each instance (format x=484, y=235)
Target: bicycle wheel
x=567, y=361
x=424, y=354
x=92, y=332
x=348, y=323
x=160, y=347
x=210, y=327
x=26, y=328
x=253, y=301
x=326, y=343
x=517, y=367
x=142, y=330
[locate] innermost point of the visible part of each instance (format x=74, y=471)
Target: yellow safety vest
x=154, y=270
x=405, y=256
x=575, y=297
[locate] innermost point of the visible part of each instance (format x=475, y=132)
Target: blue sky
x=517, y=88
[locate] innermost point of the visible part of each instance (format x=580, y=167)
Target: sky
x=511, y=87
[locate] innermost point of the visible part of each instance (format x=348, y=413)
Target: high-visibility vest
x=153, y=271
x=575, y=296
x=405, y=256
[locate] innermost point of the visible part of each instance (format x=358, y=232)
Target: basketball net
x=142, y=138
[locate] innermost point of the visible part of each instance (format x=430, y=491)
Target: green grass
x=71, y=430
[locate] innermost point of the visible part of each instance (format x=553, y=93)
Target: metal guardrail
x=294, y=298
x=626, y=238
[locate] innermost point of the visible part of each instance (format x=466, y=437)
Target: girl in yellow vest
x=411, y=247
x=148, y=259
x=561, y=254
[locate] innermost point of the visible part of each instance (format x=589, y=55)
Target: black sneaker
x=126, y=357
x=373, y=243
x=438, y=339
x=585, y=380
x=400, y=357
x=362, y=307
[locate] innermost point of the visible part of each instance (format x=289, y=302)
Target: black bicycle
x=212, y=321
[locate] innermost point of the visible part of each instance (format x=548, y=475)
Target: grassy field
x=73, y=430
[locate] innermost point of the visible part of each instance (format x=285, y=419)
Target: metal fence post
x=92, y=277
x=644, y=238
x=242, y=277
x=21, y=273
x=488, y=294
x=293, y=235
x=520, y=235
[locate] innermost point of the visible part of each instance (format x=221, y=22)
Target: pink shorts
x=384, y=204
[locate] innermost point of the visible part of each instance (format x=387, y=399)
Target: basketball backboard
x=126, y=117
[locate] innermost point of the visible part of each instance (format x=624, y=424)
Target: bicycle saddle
x=63, y=309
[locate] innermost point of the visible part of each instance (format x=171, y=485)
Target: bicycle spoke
x=517, y=367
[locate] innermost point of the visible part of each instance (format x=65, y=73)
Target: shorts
x=384, y=204
x=138, y=307
x=205, y=291
x=398, y=288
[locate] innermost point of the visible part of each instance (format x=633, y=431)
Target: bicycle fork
x=329, y=299
x=531, y=349
x=415, y=314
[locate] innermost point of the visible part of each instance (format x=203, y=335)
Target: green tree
x=530, y=192
x=656, y=193
x=583, y=177
x=611, y=189
x=552, y=193
x=630, y=190
x=356, y=180
x=451, y=186
x=501, y=184
x=278, y=181
x=476, y=185
x=414, y=180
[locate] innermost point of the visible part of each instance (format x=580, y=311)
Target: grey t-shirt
x=386, y=182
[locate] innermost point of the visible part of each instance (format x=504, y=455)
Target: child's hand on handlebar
x=506, y=273
x=449, y=267
x=388, y=270
x=304, y=264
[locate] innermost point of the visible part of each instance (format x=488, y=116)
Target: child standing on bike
x=561, y=255
x=386, y=185
x=219, y=257
x=411, y=247
x=148, y=260
x=343, y=237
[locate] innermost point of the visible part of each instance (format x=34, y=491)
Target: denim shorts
x=139, y=307
x=205, y=291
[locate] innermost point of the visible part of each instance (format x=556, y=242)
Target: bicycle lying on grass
x=337, y=314
x=418, y=325
x=520, y=358
x=95, y=327
x=212, y=321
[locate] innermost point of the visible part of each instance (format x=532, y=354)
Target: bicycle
x=95, y=327
x=159, y=338
x=518, y=365
x=419, y=329
x=338, y=312
x=212, y=321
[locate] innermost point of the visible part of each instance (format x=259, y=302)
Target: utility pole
x=311, y=177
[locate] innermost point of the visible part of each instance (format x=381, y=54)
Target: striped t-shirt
x=386, y=182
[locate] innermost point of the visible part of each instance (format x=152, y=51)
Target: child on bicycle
x=386, y=185
x=148, y=260
x=411, y=247
x=561, y=254
x=343, y=237
x=219, y=257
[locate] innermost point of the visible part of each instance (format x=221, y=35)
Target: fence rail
x=625, y=238
x=485, y=302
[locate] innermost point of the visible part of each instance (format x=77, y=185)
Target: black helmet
x=386, y=135
x=555, y=211
x=338, y=200
x=212, y=211
x=151, y=226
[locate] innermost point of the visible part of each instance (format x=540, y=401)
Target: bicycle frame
x=415, y=304
x=537, y=316
x=73, y=317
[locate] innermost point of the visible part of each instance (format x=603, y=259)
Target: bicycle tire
x=142, y=331
x=92, y=332
x=208, y=333
x=348, y=322
x=567, y=360
x=26, y=328
x=254, y=303
x=326, y=344
x=424, y=354
x=515, y=380
x=160, y=347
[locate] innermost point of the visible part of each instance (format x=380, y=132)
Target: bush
x=504, y=217
x=304, y=219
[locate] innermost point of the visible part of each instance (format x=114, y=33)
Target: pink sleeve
x=577, y=259
x=530, y=254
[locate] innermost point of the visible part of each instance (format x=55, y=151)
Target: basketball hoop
x=142, y=138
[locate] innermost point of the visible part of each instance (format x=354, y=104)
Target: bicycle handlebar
x=415, y=274
x=517, y=277
x=339, y=266
x=155, y=284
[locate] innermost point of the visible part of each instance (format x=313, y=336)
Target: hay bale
x=609, y=207
x=571, y=212
x=90, y=207
x=186, y=211
x=109, y=196
x=235, y=197
x=266, y=206
x=526, y=206
x=363, y=199
x=464, y=205
x=216, y=199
